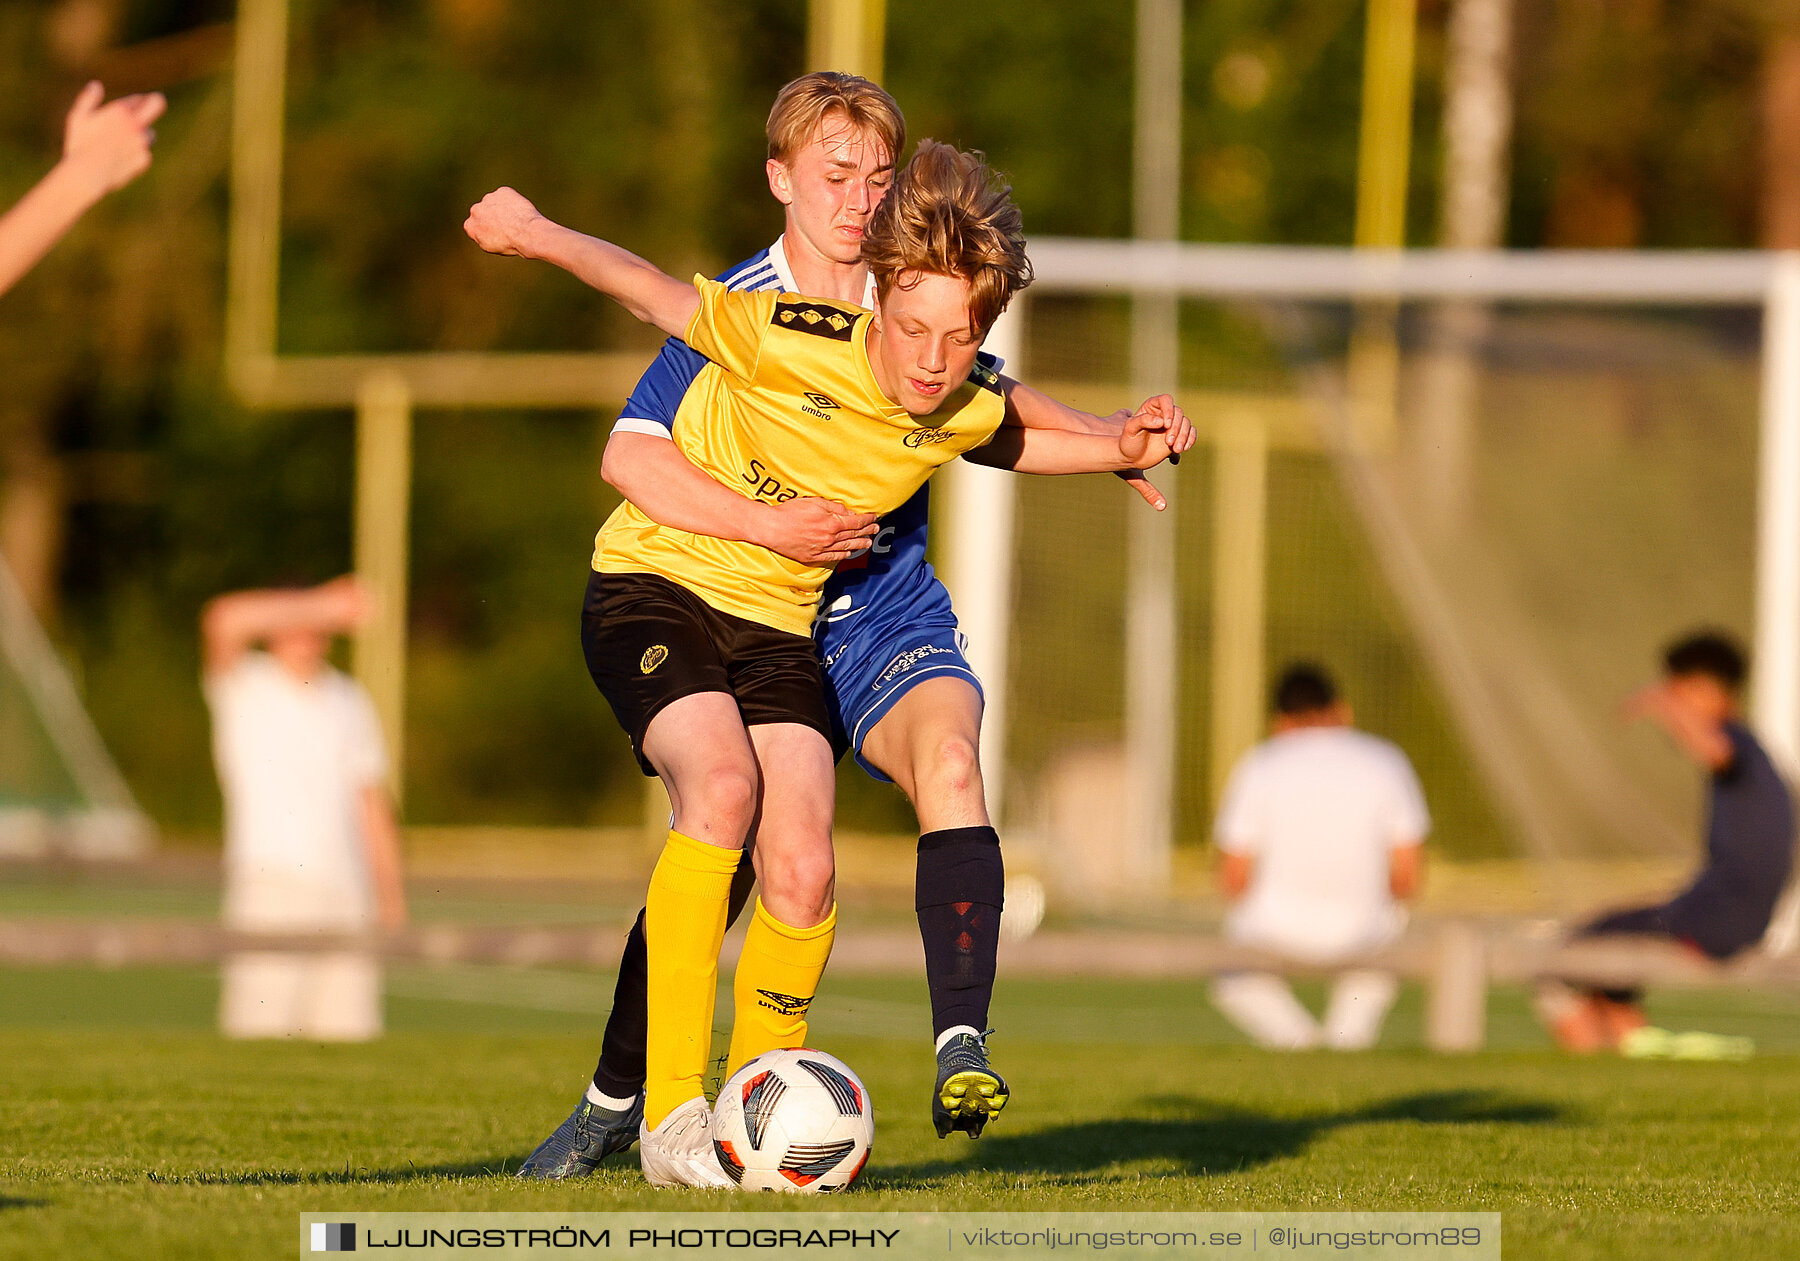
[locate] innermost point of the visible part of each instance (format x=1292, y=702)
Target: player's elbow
x=612, y=468
x=1234, y=875
x=618, y=466
x=1406, y=870
x=221, y=628
x=215, y=616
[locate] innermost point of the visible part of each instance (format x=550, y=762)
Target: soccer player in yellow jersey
x=699, y=643
x=796, y=402
x=903, y=699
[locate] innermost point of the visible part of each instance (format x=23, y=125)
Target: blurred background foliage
x=135, y=487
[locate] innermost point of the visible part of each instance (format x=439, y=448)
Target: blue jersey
x=886, y=587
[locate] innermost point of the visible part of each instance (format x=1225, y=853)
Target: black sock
x=961, y=883
x=741, y=885
x=620, y=1072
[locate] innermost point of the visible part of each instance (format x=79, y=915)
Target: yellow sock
x=777, y=976
x=684, y=924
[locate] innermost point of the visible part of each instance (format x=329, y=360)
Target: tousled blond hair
x=950, y=214
x=801, y=105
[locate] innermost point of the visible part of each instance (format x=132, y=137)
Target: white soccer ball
x=793, y=1121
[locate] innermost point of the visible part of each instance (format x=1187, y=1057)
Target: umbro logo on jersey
x=653, y=656
x=819, y=405
x=786, y=1004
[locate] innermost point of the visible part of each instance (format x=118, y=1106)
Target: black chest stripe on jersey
x=985, y=377
x=814, y=317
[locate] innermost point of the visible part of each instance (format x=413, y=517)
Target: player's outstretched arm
x=672, y=491
x=504, y=222
x=1031, y=408
x=1235, y=871
x=105, y=147
x=1155, y=432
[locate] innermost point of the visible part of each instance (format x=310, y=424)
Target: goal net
x=60, y=794
x=1483, y=490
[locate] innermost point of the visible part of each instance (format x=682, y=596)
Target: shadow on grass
x=1203, y=1137
x=347, y=1176
x=10, y=1201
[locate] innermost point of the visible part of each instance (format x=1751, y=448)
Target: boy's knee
x=950, y=765
x=727, y=798
x=799, y=888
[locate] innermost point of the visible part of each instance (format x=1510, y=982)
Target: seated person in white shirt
x=1322, y=832
x=311, y=841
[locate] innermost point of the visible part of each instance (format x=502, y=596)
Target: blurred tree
x=1637, y=123
x=115, y=293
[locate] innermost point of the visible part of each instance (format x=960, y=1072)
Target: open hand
x=110, y=143
x=501, y=222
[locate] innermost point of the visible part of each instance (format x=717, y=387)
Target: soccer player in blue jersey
x=903, y=695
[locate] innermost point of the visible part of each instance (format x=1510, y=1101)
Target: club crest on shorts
x=653, y=656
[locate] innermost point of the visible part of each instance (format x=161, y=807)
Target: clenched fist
x=501, y=223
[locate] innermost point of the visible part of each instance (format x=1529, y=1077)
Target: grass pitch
x=126, y=1128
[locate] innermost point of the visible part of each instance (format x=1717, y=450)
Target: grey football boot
x=589, y=1136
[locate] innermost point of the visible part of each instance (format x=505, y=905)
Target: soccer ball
x=793, y=1121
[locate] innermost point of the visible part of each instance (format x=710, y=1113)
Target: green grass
x=127, y=1127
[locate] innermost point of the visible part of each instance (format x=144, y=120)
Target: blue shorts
x=868, y=676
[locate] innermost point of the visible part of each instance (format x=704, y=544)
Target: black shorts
x=650, y=642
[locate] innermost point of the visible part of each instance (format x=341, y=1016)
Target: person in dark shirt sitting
x=1749, y=840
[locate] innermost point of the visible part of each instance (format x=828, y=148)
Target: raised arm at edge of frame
x=504, y=222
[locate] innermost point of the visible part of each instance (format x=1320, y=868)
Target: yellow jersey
x=788, y=406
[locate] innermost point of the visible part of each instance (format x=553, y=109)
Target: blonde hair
x=950, y=214
x=804, y=102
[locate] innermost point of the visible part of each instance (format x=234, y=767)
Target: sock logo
x=786, y=1004
x=334, y=1236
